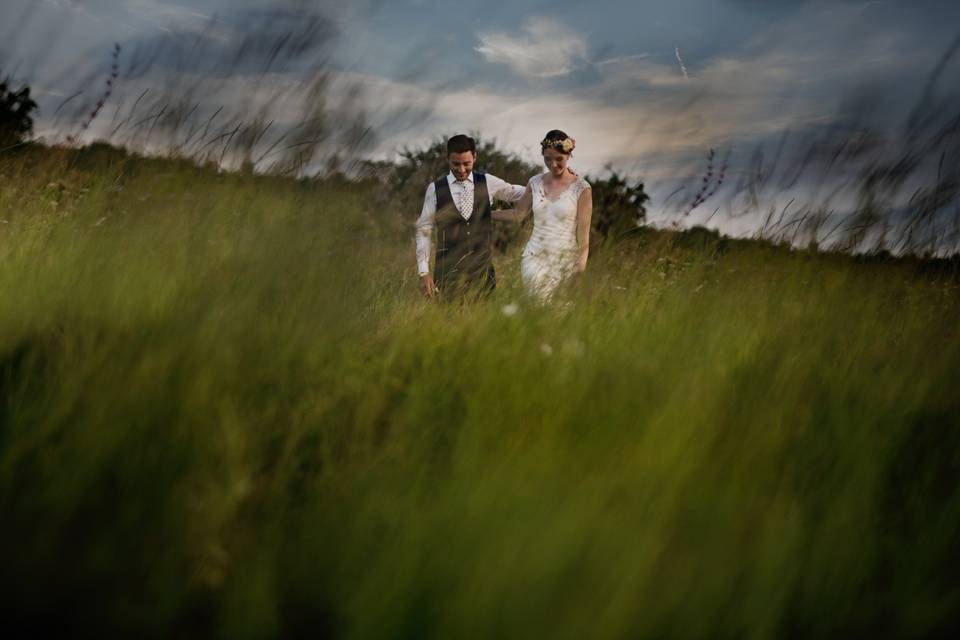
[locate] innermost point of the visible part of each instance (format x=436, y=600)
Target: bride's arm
x=584, y=216
x=520, y=210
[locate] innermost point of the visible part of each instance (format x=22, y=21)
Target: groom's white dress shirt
x=462, y=193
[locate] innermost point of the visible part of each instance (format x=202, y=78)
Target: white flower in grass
x=546, y=349
x=510, y=310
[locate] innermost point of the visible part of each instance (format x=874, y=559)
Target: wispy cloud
x=545, y=49
x=683, y=67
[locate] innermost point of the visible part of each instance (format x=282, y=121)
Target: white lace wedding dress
x=550, y=256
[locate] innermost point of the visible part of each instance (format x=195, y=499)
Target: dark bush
x=416, y=168
x=619, y=207
x=16, y=109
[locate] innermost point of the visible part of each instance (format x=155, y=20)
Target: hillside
x=225, y=411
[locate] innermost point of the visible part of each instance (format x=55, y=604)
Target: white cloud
x=545, y=49
x=518, y=121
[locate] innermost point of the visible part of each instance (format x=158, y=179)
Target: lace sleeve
x=581, y=186
x=536, y=184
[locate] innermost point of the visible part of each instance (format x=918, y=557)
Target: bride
x=562, y=206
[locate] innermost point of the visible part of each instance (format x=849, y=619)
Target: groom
x=459, y=205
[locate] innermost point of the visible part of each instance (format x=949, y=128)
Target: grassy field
x=225, y=411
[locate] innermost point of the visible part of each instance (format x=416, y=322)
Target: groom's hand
x=427, y=286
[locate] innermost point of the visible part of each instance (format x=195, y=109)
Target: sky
x=645, y=87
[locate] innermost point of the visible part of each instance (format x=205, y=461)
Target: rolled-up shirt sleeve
x=424, y=232
x=502, y=190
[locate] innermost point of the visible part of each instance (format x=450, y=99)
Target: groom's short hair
x=460, y=144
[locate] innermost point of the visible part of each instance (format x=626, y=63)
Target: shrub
x=417, y=167
x=16, y=107
x=619, y=207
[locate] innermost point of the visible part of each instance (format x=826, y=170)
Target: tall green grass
x=225, y=411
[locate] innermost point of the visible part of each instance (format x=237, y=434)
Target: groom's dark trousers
x=463, y=265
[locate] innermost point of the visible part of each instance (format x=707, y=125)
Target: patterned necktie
x=464, y=202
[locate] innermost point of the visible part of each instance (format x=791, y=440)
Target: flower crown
x=566, y=145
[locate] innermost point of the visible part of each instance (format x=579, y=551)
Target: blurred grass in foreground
x=225, y=411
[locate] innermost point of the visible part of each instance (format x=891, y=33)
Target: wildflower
x=510, y=310
x=546, y=349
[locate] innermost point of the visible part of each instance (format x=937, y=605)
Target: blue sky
x=607, y=72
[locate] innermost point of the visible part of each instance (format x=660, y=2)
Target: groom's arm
x=424, y=236
x=520, y=209
x=503, y=190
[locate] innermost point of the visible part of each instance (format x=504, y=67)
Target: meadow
x=225, y=411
